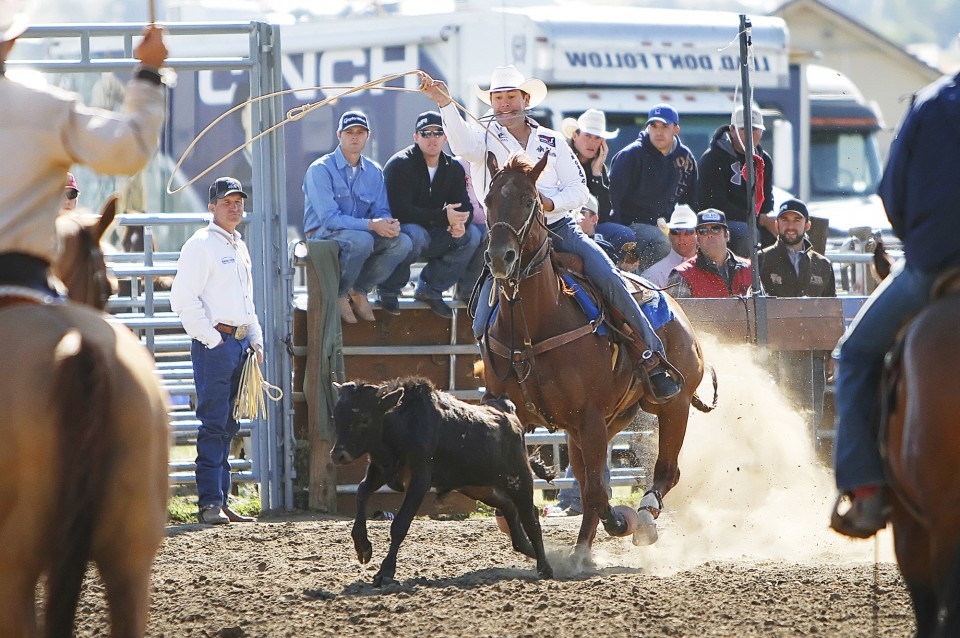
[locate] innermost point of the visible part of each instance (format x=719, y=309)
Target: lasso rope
x=293, y=115
x=250, y=403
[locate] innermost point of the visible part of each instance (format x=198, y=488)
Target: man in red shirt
x=714, y=271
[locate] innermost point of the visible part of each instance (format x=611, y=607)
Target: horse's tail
x=696, y=402
x=83, y=402
x=540, y=469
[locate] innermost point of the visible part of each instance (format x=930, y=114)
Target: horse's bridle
x=93, y=272
x=540, y=255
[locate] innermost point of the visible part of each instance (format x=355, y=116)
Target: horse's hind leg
x=127, y=580
x=18, y=615
x=912, y=545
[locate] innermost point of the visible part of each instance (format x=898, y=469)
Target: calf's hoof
x=364, y=553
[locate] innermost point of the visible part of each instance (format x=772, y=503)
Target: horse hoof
x=630, y=518
x=502, y=524
x=646, y=530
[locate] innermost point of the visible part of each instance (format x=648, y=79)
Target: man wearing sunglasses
x=427, y=190
x=71, y=193
x=681, y=230
x=714, y=271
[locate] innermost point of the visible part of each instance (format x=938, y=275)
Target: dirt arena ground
x=744, y=552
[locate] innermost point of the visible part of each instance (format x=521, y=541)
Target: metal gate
x=82, y=57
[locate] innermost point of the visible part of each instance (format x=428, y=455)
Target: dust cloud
x=751, y=487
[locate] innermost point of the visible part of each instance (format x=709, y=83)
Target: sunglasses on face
x=72, y=194
x=710, y=230
x=431, y=133
x=675, y=232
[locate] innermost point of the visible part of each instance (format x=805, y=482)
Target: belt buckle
x=241, y=332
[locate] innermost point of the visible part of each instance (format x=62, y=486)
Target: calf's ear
x=391, y=400
x=340, y=387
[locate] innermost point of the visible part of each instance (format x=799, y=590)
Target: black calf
x=418, y=437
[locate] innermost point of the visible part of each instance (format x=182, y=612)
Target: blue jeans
x=567, y=237
x=740, y=238
x=856, y=454
x=216, y=372
x=474, y=269
x=366, y=258
x=616, y=234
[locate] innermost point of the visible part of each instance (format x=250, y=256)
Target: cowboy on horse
x=920, y=191
x=45, y=131
x=563, y=190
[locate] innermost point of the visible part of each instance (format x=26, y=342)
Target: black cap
x=426, y=119
x=353, y=118
x=711, y=216
x=796, y=206
x=223, y=186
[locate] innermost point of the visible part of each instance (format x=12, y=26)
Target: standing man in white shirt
x=213, y=295
x=563, y=191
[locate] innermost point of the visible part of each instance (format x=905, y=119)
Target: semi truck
x=622, y=60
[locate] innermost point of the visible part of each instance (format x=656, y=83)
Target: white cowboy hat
x=592, y=121
x=683, y=218
x=508, y=78
x=12, y=21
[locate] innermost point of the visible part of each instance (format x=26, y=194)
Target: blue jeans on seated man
x=568, y=237
x=857, y=461
x=366, y=258
x=471, y=275
x=216, y=374
x=447, y=258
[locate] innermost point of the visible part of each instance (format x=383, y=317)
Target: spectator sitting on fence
x=471, y=275
x=427, y=190
x=682, y=232
x=345, y=201
x=714, y=271
x=648, y=178
x=587, y=219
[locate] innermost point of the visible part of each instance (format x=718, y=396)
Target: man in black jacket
x=427, y=190
x=648, y=178
x=723, y=186
x=791, y=268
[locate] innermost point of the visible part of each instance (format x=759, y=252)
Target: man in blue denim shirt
x=345, y=200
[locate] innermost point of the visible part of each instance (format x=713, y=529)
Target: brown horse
x=921, y=444
x=547, y=358
x=84, y=450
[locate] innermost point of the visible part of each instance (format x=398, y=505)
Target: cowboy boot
x=660, y=384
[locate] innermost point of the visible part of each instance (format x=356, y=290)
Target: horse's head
x=514, y=214
x=79, y=262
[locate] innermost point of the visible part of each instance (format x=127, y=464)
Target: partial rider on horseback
x=45, y=131
x=563, y=191
x=921, y=194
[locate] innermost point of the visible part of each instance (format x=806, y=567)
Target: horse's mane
x=519, y=162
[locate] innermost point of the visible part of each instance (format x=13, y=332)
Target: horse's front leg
x=416, y=490
x=589, y=452
x=672, y=419
x=372, y=481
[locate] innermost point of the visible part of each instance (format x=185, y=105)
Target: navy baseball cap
x=796, y=206
x=428, y=119
x=352, y=118
x=223, y=186
x=711, y=216
x=663, y=113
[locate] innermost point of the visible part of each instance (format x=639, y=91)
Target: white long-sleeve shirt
x=562, y=180
x=214, y=284
x=43, y=132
